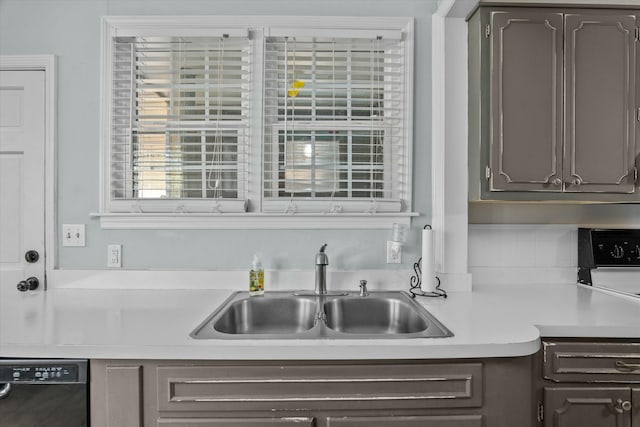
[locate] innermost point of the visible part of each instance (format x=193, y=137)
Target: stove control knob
x=617, y=252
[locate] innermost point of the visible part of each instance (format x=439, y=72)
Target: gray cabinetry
x=319, y=387
x=586, y=407
x=526, y=101
x=237, y=422
x=469, y=393
x=552, y=104
x=599, y=59
x=404, y=421
x=590, y=384
x=119, y=402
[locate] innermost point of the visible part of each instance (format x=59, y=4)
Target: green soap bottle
x=256, y=277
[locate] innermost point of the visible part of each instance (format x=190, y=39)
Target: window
x=334, y=121
x=249, y=116
x=179, y=122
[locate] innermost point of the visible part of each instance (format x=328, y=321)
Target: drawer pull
x=627, y=367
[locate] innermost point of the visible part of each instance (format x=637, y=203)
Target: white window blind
x=180, y=123
x=334, y=123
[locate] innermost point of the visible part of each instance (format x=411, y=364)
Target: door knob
x=30, y=284
x=32, y=256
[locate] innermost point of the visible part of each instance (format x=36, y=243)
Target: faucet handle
x=363, y=288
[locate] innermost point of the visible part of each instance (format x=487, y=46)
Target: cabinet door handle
x=616, y=407
x=577, y=181
x=620, y=406
x=627, y=367
x=556, y=181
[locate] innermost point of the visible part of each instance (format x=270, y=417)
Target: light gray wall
x=70, y=29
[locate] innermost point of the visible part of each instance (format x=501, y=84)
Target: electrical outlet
x=114, y=256
x=73, y=235
x=394, y=252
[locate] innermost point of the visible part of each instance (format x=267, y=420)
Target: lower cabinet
x=441, y=393
x=236, y=422
x=588, y=406
x=399, y=421
x=434, y=421
x=589, y=384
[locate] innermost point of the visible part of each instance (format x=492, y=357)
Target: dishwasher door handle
x=5, y=390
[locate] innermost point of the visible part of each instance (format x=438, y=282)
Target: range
x=610, y=259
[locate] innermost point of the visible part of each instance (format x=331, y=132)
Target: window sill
x=252, y=221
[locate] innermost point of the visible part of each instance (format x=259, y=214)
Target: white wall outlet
x=394, y=252
x=114, y=256
x=73, y=235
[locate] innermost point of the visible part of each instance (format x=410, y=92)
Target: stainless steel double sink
x=285, y=315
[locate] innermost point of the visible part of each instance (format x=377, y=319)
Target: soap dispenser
x=256, y=277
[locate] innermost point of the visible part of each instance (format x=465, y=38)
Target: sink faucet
x=321, y=271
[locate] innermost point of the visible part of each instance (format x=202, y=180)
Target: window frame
x=199, y=214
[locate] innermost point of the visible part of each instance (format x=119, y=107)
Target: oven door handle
x=5, y=390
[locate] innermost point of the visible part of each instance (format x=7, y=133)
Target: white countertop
x=490, y=321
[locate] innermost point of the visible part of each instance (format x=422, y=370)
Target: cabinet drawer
x=326, y=387
x=591, y=362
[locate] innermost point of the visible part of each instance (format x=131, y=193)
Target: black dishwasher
x=43, y=392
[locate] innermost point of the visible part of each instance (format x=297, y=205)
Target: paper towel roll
x=429, y=281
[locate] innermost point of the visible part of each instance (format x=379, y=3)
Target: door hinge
x=635, y=175
x=637, y=33
x=487, y=30
x=638, y=114
x=540, y=415
x=487, y=173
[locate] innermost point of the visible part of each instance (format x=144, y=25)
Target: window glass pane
x=180, y=115
x=319, y=163
x=337, y=130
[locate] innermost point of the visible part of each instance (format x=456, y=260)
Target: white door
x=22, y=161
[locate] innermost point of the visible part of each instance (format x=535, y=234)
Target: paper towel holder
x=415, y=281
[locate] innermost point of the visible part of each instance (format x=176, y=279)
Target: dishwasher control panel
x=31, y=372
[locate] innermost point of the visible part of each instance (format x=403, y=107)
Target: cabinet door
x=400, y=421
x=600, y=102
x=587, y=407
x=236, y=422
x=116, y=394
x=526, y=101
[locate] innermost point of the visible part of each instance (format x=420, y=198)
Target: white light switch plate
x=73, y=235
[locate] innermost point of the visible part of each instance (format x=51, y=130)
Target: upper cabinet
x=526, y=101
x=552, y=104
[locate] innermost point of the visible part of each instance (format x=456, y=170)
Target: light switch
x=73, y=235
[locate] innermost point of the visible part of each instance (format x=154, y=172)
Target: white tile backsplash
x=526, y=253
